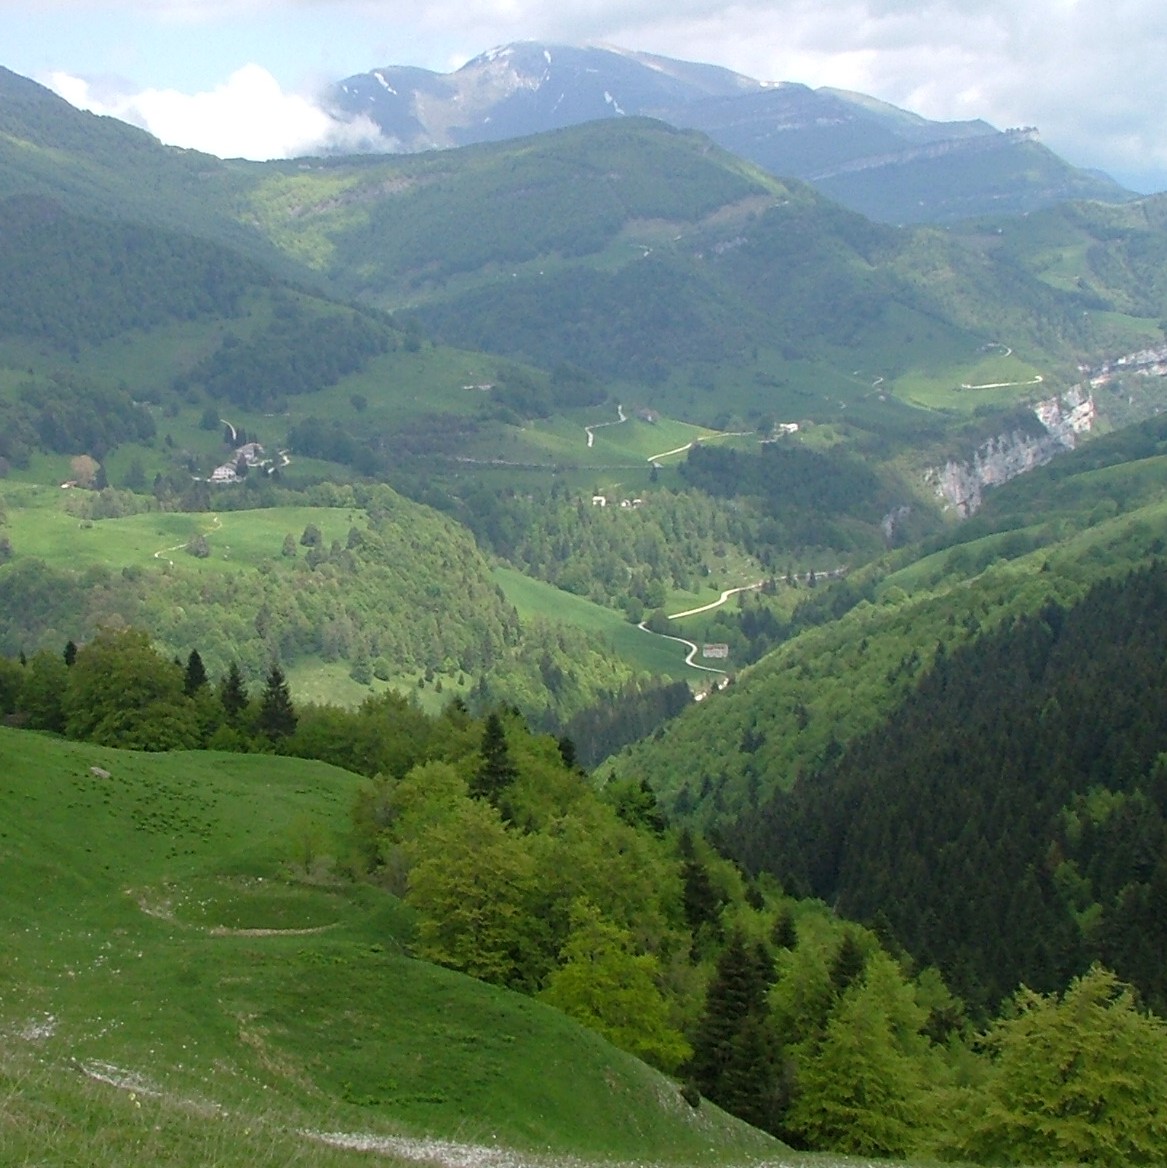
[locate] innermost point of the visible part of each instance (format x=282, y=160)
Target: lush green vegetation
x=180, y=937
x=513, y=869
x=393, y=591
x=1044, y=538
x=261, y=888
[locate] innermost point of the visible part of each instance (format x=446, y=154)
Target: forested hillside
x=1045, y=537
x=1005, y=821
x=483, y=848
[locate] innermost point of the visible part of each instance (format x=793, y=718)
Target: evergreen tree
x=70, y=652
x=701, y=900
x=233, y=694
x=734, y=1055
x=784, y=934
x=496, y=772
x=848, y=964
x=194, y=675
x=277, y=716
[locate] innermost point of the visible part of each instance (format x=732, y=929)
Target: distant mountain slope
x=869, y=155
x=99, y=166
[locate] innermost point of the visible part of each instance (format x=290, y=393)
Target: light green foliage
x=154, y=935
x=862, y=1088
x=43, y=691
x=606, y=985
x=472, y=884
x=120, y=692
x=1076, y=1078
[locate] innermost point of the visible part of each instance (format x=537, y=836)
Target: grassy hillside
x=178, y=948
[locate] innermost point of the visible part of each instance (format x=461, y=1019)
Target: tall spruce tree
x=194, y=675
x=233, y=694
x=496, y=771
x=277, y=715
x=734, y=1054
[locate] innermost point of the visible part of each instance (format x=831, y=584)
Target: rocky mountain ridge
x=871, y=156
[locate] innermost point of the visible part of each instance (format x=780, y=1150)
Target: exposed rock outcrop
x=962, y=484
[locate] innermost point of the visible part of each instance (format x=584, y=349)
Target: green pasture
x=330, y=683
x=41, y=524
x=179, y=945
x=646, y=651
x=994, y=378
x=631, y=441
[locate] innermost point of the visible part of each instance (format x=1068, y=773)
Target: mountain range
x=867, y=154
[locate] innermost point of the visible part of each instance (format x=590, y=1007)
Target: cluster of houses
x=249, y=456
x=1147, y=362
x=627, y=504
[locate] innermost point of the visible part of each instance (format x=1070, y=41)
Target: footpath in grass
x=179, y=944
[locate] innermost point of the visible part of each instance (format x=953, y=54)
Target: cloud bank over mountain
x=248, y=116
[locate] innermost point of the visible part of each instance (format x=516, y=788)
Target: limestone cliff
x=1005, y=456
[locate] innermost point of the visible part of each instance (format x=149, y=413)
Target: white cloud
x=248, y=116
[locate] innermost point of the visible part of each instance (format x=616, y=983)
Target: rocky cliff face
x=962, y=484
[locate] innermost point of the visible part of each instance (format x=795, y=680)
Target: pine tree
x=734, y=1055
x=701, y=900
x=277, y=716
x=233, y=694
x=496, y=771
x=848, y=964
x=195, y=674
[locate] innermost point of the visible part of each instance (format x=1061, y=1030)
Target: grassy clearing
x=40, y=524
x=185, y=981
x=643, y=650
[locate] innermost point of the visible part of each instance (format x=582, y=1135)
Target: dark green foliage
x=792, y=480
x=700, y=898
x=848, y=964
x=276, y=717
x=233, y=694
x=635, y=804
x=640, y=708
x=300, y=352
x=66, y=414
x=784, y=934
x=72, y=281
x=734, y=1053
x=1016, y=795
x=496, y=772
x=195, y=675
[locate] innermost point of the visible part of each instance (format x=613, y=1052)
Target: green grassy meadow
x=41, y=524
x=188, y=979
x=648, y=652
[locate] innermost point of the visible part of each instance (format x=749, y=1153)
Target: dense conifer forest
x=1005, y=822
